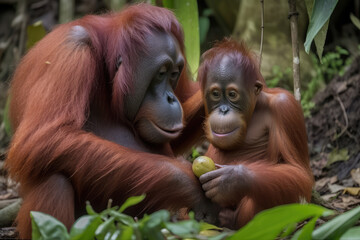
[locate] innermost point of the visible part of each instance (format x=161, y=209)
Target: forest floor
x=334, y=135
x=333, y=138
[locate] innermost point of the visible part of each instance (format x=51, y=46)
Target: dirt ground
x=334, y=135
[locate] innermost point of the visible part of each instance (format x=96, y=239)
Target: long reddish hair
x=241, y=55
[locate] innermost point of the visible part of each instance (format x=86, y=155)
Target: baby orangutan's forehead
x=225, y=71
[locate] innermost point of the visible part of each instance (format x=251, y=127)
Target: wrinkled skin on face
x=229, y=101
x=153, y=105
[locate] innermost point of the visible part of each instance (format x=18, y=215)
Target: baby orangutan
x=257, y=135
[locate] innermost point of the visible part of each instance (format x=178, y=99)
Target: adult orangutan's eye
x=162, y=72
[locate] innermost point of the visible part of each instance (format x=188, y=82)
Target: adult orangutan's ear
x=258, y=87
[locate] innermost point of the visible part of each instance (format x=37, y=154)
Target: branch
x=66, y=11
x=293, y=16
x=262, y=32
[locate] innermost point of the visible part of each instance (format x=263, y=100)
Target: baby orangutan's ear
x=258, y=87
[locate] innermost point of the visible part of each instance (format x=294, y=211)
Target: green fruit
x=202, y=165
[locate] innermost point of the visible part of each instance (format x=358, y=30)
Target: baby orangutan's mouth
x=224, y=132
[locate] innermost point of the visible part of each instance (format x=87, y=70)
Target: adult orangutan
x=257, y=137
x=94, y=106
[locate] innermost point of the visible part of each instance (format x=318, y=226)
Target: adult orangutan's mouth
x=174, y=132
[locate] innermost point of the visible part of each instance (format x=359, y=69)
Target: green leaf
x=194, y=154
x=273, y=221
x=123, y=218
x=184, y=229
x=351, y=234
x=337, y=155
x=208, y=226
x=35, y=33
x=355, y=20
x=321, y=12
x=161, y=215
x=45, y=226
x=126, y=233
x=336, y=227
x=321, y=36
x=221, y=236
x=306, y=231
x=116, y=235
x=104, y=228
x=288, y=230
x=151, y=225
x=186, y=12
x=131, y=201
x=204, y=25
x=85, y=227
x=89, y=209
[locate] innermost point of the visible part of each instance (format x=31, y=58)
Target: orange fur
x=279, y=161
x=51, y=94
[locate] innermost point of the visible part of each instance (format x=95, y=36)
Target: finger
x=211, y=193
x=210, y=184
x=210, y=176
x=218, y=199
x=226, y=212
x=219, y=166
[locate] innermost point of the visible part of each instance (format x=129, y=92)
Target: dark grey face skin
x=224, y=89
x=229, y=103
x=153, y=106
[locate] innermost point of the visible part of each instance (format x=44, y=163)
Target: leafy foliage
x=112, y=223
x=333, y=63
x=280, y=76
x=273, y=223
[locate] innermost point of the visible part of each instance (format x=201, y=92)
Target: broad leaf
x=151, y=225
x=208, y=226
x=85, y=227
x=89, y=209
x=355, y=20
x=104, y=228
x=273, y=221
x=351, y=234
x=337, y=155
x=186, y=12
x=131, y=201
x=321, y=13
x=336, y=227
x=306, y=231
x=184, y=229
x=126, y=233
x=123, y=218
x=45, y=226
x=321, y=35
x=35, y=33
